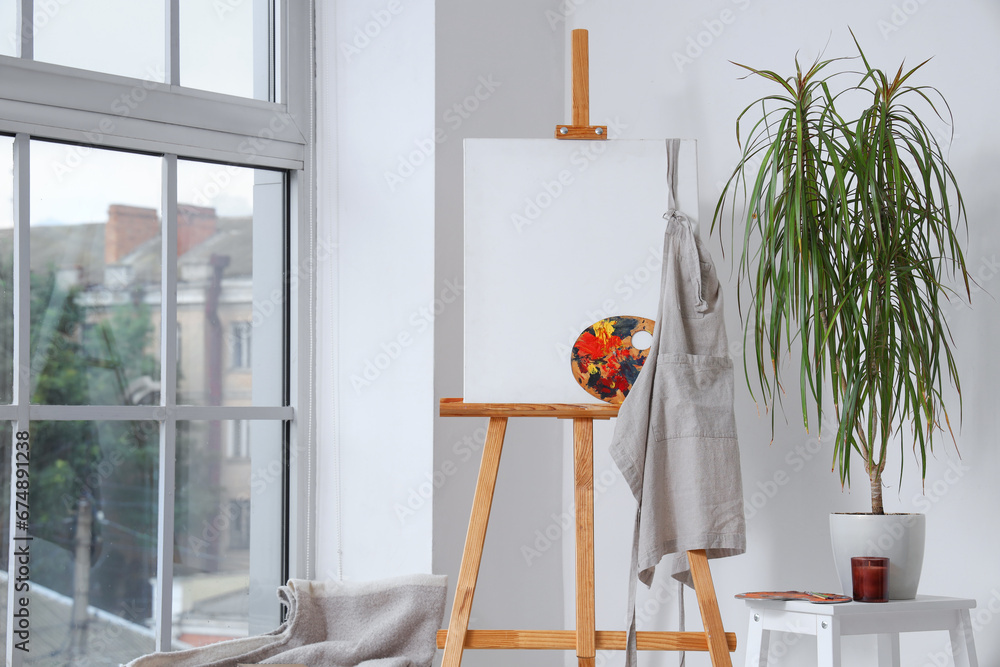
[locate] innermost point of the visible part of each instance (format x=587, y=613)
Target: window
x=153, y=211
x=239, y=439
x=239, y=531
x=239, y=344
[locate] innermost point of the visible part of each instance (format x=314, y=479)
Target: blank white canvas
x=558, y=235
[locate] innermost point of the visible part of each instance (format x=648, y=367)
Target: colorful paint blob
x=605, y=362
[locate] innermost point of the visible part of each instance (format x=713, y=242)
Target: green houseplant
x=850, y=231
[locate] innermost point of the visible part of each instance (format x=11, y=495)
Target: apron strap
x=676, y=219
x=631, y=654
x=680, y=617
x=673, y=151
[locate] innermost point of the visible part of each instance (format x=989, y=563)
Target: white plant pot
x=898, y=537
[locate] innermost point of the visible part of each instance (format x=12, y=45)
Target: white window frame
x=46, y=101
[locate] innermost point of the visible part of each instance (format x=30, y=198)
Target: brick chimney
x=195, y=224
x=128, y=227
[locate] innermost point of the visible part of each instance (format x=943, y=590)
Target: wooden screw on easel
x=581, y=127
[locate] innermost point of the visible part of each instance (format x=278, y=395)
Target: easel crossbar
x=456, y=407
x=565, y=640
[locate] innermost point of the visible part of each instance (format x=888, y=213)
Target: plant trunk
x=875, y=474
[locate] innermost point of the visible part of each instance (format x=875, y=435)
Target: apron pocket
x=692, y=397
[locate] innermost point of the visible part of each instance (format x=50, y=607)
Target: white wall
x=376, y=203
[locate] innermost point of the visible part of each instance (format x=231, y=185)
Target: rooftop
x=81, y=251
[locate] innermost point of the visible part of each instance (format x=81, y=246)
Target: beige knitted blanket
x=386, y=623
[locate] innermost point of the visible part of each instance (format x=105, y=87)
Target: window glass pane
x=5, y=453
x=6, y=270
x=230, y=291
x=213, y=579
x=95, y=276
x=8, y=29
x=93, y=519
x=217, y=45
x=115, y=36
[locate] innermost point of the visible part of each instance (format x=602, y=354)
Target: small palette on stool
x=803, y=596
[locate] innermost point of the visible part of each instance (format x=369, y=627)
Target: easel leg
x=583, y=466
x=473, y=554
x=709, y=606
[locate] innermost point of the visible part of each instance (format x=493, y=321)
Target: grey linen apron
x=675, y=437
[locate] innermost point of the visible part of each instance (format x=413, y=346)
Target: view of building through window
x=96, y=291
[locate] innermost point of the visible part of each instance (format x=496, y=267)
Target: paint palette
x=605, y=362
x=805, y=596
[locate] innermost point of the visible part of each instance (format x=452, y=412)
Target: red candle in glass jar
x=870, y=575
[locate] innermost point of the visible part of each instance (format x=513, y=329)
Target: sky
x=126, y=37
x=73, y=184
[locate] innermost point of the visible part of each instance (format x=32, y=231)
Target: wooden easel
x=585, y=639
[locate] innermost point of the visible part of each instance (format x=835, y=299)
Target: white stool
x=830, y=622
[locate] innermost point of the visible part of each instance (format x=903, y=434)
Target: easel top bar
x=581, y=127
x=457, y=407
